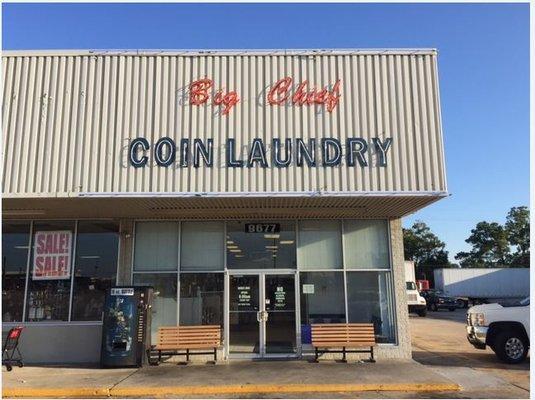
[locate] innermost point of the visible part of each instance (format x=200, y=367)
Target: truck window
x=411, y=286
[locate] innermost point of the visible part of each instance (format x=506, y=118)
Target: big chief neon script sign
x=280, y=94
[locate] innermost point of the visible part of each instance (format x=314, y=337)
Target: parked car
x=504, y=328
x=437, y=300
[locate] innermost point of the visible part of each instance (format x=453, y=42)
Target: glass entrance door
x=244, y=314
x=280, y=326
x=262, y=315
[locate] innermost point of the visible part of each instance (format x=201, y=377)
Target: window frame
x=344, y=269
x=69, y=320
x=28, y=257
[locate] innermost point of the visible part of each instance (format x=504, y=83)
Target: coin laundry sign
x=259, y=153
x=166, y=152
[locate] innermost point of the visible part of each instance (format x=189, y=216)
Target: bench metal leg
x=215, y=355
x=316, y=355
x=371, y=355
x=344, y=359
x=187, y=355
x=159, y=356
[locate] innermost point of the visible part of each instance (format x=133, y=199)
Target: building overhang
x=199, y=205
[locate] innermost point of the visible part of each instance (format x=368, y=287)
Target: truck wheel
x=422, y=312
x=511, y=347
x=462, y=303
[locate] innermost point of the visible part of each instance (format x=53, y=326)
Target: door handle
x=262, y=316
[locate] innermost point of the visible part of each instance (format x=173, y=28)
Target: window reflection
x=165, y=302
x=202, y=246
x=369, y=300
x=95, y=267
x=320, y=244
x=201, y=299
x=15, y=246
x=263, y=245
x=322, y=297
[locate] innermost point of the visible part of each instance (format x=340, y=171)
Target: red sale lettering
x=63, y=243
x=52, y=255
x=39, y=262
x=62, y=263
x=48, y=266
x=40, y=243
x=49, y=247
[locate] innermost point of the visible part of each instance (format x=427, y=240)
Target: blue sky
x=483, y=67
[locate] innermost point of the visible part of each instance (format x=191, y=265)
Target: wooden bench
x=336, y=336
x=173, y=339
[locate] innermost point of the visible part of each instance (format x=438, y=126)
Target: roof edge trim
x=263, y=194
x=217, y=52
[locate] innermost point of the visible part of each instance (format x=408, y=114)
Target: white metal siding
x=484, y=282
x=68, y=119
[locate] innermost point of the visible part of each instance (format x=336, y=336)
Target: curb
x=145, y=391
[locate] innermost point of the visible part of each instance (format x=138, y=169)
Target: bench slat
x=188, y=337
x=343, y=335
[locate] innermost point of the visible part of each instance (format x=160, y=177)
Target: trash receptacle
x=126, y=327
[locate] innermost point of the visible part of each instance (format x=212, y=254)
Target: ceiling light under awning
x=235, y=250
x=272, y=247
x=286, y=242
x=272, y=235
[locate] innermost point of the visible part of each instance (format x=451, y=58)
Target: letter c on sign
x=133, y=150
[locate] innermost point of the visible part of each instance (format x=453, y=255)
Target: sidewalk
x=236, y=379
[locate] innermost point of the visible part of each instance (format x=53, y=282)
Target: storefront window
x=164, y=309
x=95, y=267
x=369, y=300
x=320, y=245
x=261, y=245
x=201, y=299
x=156, y=246
x=202, y=246
x=15, y=245
x=322, y=297
x=366, y=244
x=49, y=282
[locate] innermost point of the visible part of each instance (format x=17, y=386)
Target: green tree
x=490, y=247
x=424, y=248
x=517, y=228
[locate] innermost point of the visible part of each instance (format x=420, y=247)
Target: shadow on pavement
x=461, y=359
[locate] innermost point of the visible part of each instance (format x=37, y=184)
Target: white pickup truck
x=504, y=328
x=415, y=301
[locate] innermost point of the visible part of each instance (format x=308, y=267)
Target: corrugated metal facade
x=68, y=120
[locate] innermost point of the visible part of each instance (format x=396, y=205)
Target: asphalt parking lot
x=439, y=341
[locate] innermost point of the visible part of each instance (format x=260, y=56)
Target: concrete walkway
x=237, y=379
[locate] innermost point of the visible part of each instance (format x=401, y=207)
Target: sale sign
x=52, y=255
